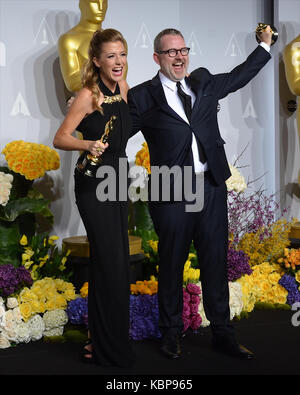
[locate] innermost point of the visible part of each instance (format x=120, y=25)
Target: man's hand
x=266, y=35
x=69, y=102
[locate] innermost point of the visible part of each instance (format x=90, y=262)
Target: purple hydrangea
x=290, y=284
x=237, y=264
x=77, y=311
x=144, y=317
x=12, y=279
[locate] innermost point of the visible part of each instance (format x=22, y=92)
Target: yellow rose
x=60, y=284
x=35, y=306
x=69, y=294
x=26, y=310
x=26, y=295
x=38, y=291
x=297, y=276
x=85, y=289
x=50, y=304
x=60, y=302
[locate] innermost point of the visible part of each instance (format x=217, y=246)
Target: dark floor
x=268, y=333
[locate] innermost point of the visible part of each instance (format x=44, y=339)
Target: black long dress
x=106, y=224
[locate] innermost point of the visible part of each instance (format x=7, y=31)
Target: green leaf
x=25, y=205
x=140, y=217
x=9, y=244
x=20, y=185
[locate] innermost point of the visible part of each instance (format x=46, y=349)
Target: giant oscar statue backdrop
x=291, y=58
x=73, y=45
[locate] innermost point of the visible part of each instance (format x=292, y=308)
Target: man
x=179, y=136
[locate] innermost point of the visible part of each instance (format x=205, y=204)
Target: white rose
x=8, y=317
x=236, y=182
x=2, y=312
x=12, y=303
x=57, y=331
x=36, y=327
x=9, y=330
x=235, y=299
x=17, y=315
x=4, y=342
x=5, y=187
x=22, y=333
x=55, y=318
x=205, y=322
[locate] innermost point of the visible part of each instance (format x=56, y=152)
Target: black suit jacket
x=169, y=137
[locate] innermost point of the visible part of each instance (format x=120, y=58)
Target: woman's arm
x=124, y=87
x=63, y=139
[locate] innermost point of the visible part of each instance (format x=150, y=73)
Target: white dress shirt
x=173, y=100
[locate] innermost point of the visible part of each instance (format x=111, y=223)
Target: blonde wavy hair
x=90, y=74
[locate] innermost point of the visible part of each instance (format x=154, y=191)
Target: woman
x=103, y=95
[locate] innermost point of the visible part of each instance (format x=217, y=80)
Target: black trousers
x=106, y=225
x=208, y=229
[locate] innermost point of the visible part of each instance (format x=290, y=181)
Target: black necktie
x=186, y=101
x=187, y=105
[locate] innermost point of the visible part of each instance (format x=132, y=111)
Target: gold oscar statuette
x=90, y=163
x=261, y=27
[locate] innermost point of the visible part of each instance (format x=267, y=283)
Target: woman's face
x=112, y=62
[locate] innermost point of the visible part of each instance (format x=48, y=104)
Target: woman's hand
x=97, y=148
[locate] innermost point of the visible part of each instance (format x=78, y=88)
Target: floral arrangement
x=146, y=287
x=44, y=295
x=84, y=290
x=291, y=285
x=142, y=157
x=13, y=329
x=191, y=300
x=236, y=182
x=267, y=243
x=291, y=261
x=237, y=263
x=31, y=160
x=41, y=256
x=20, y=201
x=249, y=213
x=143, y=317
x=5, y=187
x=55, y=321
x=190, y=274
x=150, y=250
x=262, y=286
x=77, y=311
x=13, y=279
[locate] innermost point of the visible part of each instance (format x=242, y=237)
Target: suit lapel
x=158, y=95
x=197, y=89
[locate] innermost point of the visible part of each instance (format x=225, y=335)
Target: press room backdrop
x=220, y=34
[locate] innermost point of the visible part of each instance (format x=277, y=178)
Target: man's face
x=175, y=68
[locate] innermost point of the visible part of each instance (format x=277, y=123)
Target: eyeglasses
x=173, y=52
